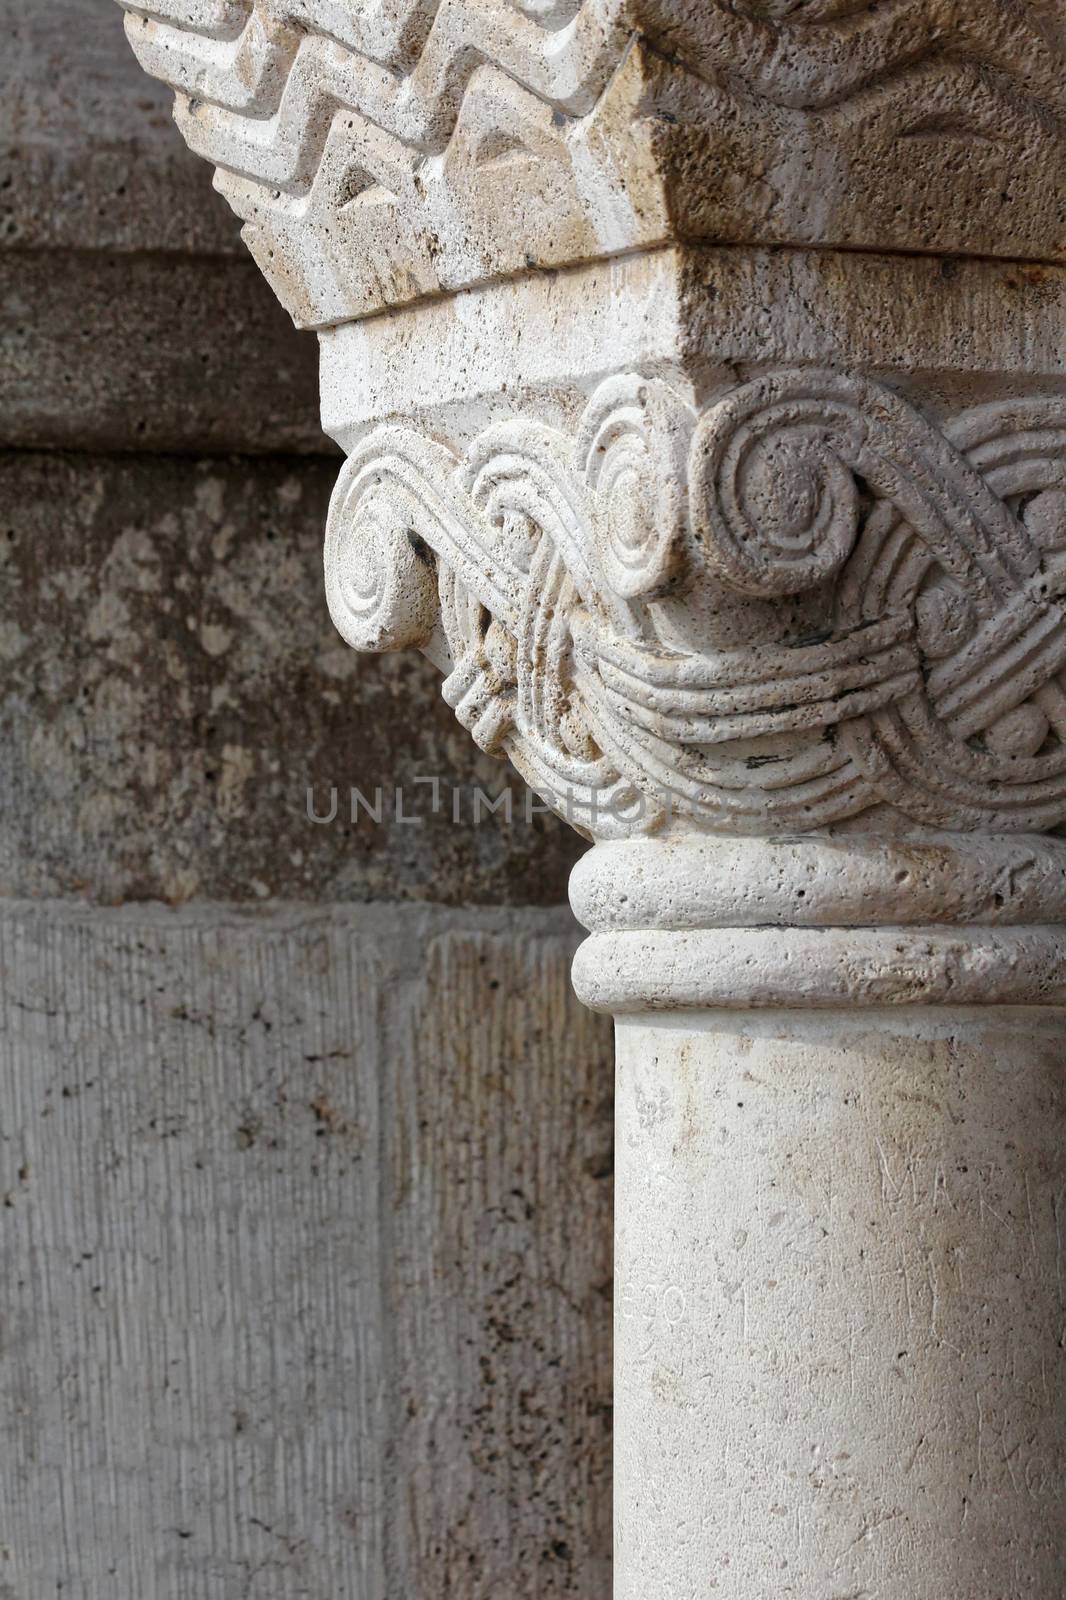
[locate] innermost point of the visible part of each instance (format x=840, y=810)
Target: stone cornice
x=372, y=151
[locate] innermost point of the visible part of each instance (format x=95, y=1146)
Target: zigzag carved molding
x=239, y=56
x=369, y=149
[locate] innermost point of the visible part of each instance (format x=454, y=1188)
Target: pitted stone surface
x=718, y=610
x=306, y=1250
x=839, y=1364
x=758, y=600
x=372, y=153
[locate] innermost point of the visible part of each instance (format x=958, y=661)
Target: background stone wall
x=304, y=1150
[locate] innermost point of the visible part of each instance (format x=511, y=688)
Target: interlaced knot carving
x=803, y=601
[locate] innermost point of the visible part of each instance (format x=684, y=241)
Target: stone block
x=306, y=1290
x=120, y=352
x=172, y=685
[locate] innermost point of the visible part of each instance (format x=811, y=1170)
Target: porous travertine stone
x=699, y=372
x=381, y=154
x=840, y=1178
x=838, y=1321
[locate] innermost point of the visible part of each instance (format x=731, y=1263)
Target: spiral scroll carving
x=773, y=499
x=896, y=633
x=630, y=450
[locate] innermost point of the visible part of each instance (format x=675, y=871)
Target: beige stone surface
x=783, y=551
x=372, y=154
x=948, y=334
x=88, y=158
x=839, y=1364
x=843, y=880
x=305, y=1246
x=915, y=917
x=733, y=566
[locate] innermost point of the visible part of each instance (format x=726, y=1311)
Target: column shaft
x=840, y=1313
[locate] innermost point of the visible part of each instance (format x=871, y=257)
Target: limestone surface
x=372, y=151
x=838, y=1358
x=699, y=373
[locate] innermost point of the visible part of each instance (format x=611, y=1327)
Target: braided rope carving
x=878, y=605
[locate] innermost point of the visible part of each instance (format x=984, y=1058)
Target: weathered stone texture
x=305, y=1246
x=839, y=1338
x=130, y=317
x=598, y=127
x=172, y=685
x=120, y=352
x=170, y=680
x=729, y=500
x=305, y=1233
x=88, y=157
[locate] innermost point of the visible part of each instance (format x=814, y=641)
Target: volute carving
x=799, y=603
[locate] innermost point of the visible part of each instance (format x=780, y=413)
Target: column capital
x=793, y=602
x=753, y=536
x=729, y=508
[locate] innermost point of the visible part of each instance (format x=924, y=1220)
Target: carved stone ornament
x=880, y=602
x=700, y=370
x=372, y=148
x=770, y=605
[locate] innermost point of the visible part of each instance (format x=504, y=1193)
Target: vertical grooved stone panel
x=500, y=1147
x=274, y=1254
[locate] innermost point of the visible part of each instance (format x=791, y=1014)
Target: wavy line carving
x=787, y=60
x=929, y=569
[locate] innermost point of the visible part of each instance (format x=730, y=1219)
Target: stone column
x=700, y=375
x=840, y=1192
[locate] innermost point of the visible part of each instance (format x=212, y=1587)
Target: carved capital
x=710, y=582
x=769, y=612
x=746, y=534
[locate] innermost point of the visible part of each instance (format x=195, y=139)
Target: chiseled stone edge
x=694, y=314
x=768, y=613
